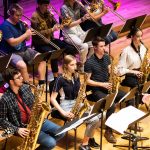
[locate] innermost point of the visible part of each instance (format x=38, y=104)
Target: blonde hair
x=68, y=59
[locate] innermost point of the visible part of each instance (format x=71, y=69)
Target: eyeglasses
x=19, y=77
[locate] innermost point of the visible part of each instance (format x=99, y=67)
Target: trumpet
x=42, y=36
x=95, y=6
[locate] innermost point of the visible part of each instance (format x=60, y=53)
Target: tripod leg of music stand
x=101, y=133
x=46, y=79
x=67, y=140
x=33, y=73
x=75, y=138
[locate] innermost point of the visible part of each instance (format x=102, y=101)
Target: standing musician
x=69, y=83
x=97, y=10
x=71, y=9
x=42, y=21
x=15, y=110
x=98, y=68
x=129, y=65
x=13, y=42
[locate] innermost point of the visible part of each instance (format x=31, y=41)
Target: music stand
x=74, y=124
x=5, y=60
x=102, y=105
x=55, y=54
x=134, y=138
x=133, y=22
x=102, y=31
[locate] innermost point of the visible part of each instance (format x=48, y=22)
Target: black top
x=98, y=68
x=70, y=87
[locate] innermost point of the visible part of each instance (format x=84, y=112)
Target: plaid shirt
x=10, y=115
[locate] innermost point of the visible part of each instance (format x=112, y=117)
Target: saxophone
x=35, y=122
x=113, y=78
x=144, y=67
x=81, y=104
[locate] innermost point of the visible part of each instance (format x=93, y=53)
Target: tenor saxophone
x=81, y=104
x=35, y=122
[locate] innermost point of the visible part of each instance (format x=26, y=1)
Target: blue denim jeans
x=47, y=138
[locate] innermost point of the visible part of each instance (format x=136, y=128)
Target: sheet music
x=121, y=120
x=74, y=124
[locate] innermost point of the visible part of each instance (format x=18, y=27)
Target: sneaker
x=84, y=147
x=93, y=144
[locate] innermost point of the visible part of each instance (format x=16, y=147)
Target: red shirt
x=24, y=109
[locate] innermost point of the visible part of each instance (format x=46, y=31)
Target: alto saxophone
x=144, y=67
x=81, y=104
x=113, y=78
x=35, y=122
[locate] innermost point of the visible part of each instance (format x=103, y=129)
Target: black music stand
x=133, y=22
x=74, y=124
x=102, y=31
x=55, y=54
x=4, y=62
x=134, y=138
x=102, y=105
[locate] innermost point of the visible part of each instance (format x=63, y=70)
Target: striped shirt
x=98, y=68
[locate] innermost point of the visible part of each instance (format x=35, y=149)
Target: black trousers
x=68, y=49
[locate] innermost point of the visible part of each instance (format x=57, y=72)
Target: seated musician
x=131, y=59
x=71, y=9
x=69, y=83
x=98, y=68
x=15, y=111
x=44, y=22
x=97, y=10
x=13, y=42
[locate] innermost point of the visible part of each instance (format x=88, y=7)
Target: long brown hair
x=68, y=59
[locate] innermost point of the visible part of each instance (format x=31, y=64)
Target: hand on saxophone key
x=107, y=85
x=137, y=73
x=68, y=115
x=23, y=132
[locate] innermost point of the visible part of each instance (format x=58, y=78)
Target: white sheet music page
x=120, y=121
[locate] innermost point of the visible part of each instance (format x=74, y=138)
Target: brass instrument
x=113, y=78
x=1, y=35
x=81, y=104
x=65, y=22
x=97, y=5
x=36, y=121
x=116, y=5
x=42, y=36
x=87, y=11
x=144, y=67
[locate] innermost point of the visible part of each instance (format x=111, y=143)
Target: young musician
x=13, y=41
x=69, y=83
x=71, y=9
x=129, y=65
x=43, y=21
x=98, y=68
x=15, y=110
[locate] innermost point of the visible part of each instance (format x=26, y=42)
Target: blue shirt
x=12, y=31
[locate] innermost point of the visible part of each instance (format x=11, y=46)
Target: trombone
x=61, y=26
x=97, y=5
x=42, y=36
